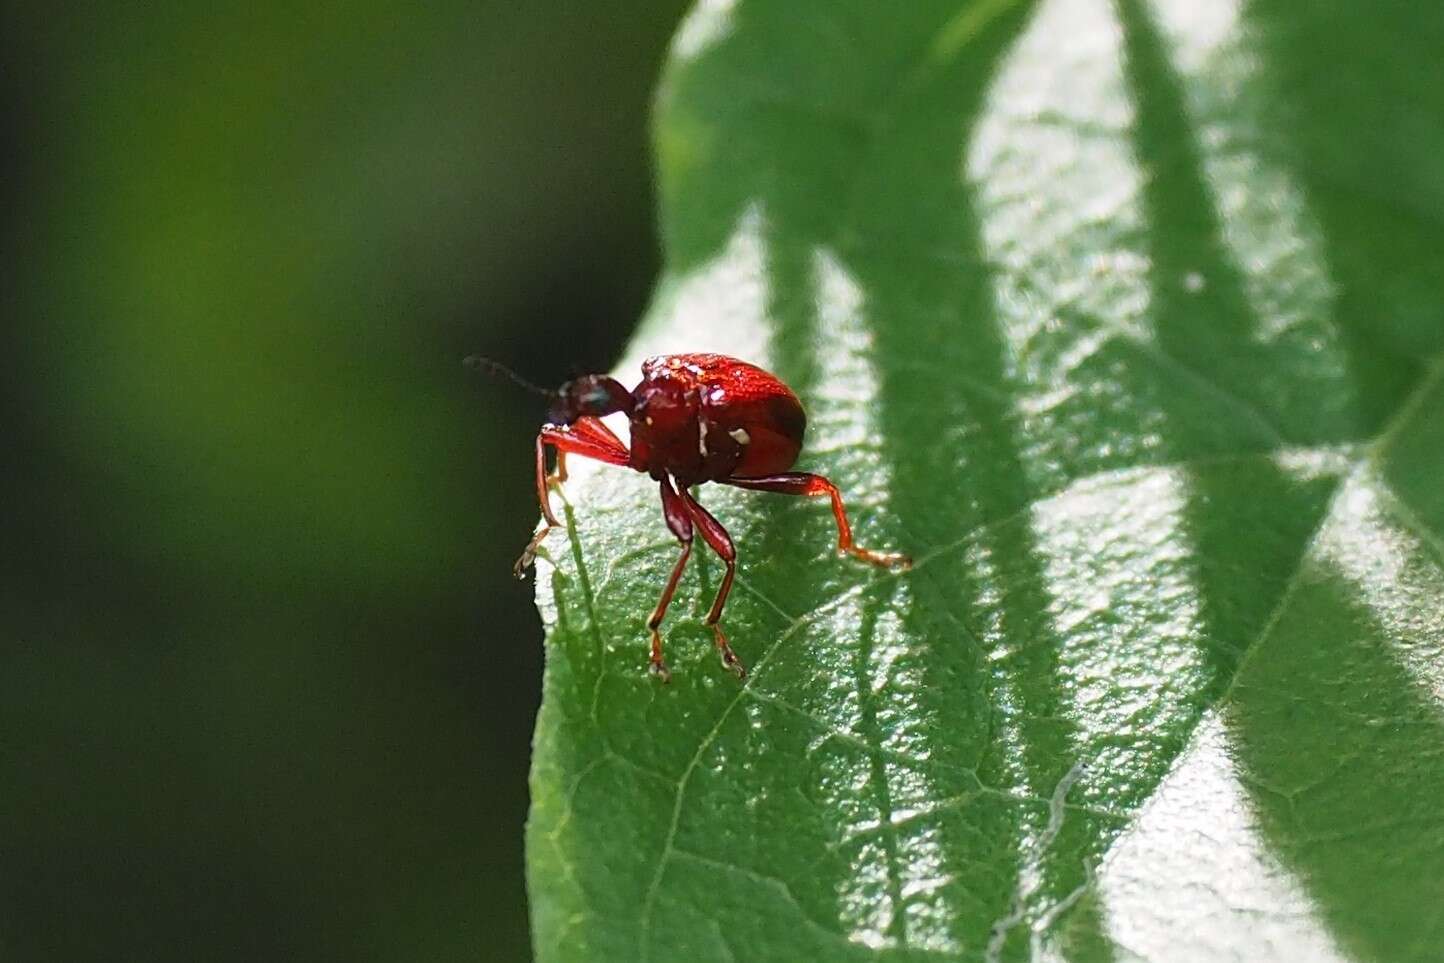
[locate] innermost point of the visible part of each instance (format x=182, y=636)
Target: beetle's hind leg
x=805, y=483
x=720, y=542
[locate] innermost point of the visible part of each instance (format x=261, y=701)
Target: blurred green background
x=268, y=685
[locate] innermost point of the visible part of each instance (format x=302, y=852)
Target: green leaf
x=1127, y=320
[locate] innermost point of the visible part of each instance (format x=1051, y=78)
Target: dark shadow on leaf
x=933, y=696
x=1247, y=522
x=1363, y=128
x=1359, y=824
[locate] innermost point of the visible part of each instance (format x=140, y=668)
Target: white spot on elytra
x=740, y=436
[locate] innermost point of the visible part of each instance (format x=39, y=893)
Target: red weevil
x=694, y=418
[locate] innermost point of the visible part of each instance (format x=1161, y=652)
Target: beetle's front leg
x=588, y=445
x=528, y=554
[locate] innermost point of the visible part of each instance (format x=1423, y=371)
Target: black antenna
x=478, y=362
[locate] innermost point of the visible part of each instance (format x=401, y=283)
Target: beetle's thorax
x=673, y=429
x=665, y=429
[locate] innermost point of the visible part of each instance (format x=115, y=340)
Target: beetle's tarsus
x=895, y=560
x=730, y=662
x=528, y=554
x=655, y=664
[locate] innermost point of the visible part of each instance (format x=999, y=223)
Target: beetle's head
x=589, y=395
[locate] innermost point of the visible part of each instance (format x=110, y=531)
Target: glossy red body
x=694, y=418
x=708, y=417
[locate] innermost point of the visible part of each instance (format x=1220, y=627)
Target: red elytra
x=694, y=418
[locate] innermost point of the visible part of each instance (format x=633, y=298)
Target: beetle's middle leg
x=720, y=542
x=679, y=520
